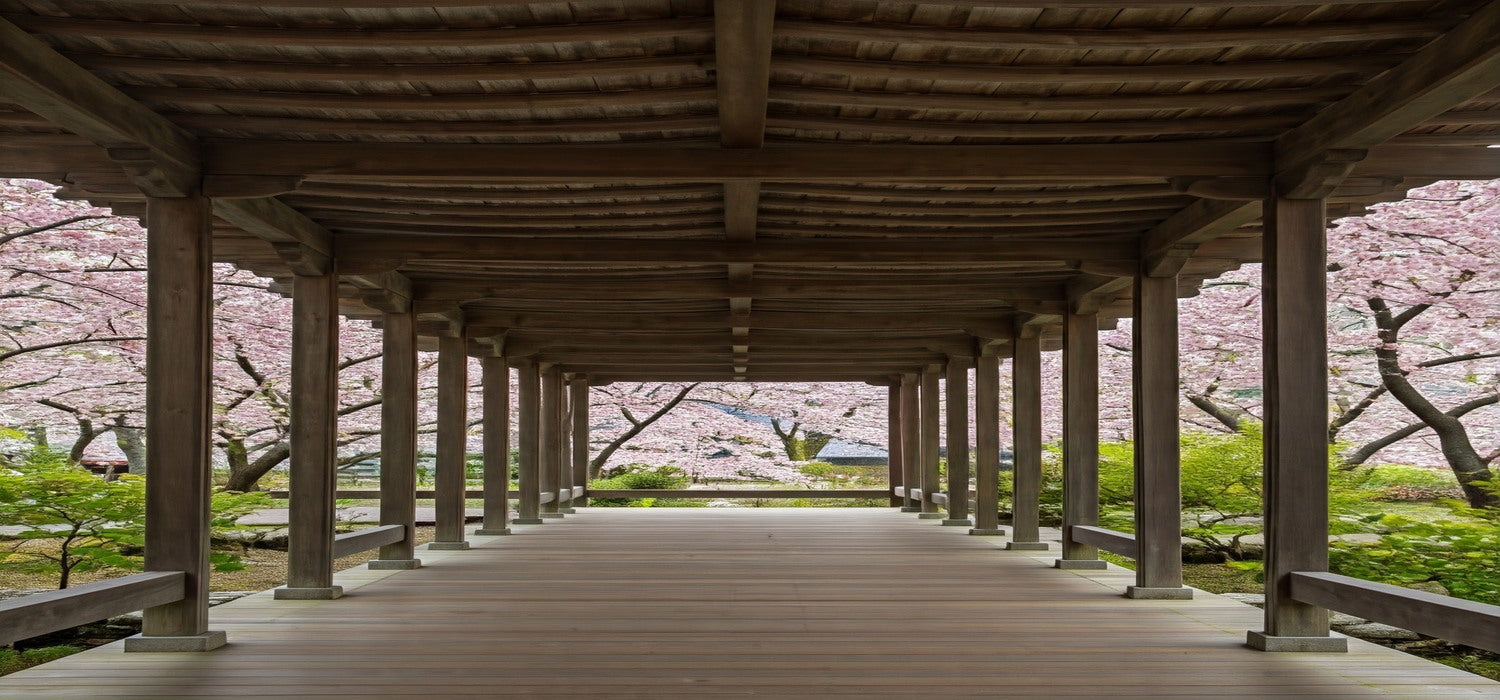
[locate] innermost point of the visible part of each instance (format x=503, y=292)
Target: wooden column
x=578, y=388
x=1080, y=437
x=551, y=415
x=495, y=383
x=452, y=442
x=315, y=343
x=895, y=477
x=528, y=444
x=565, y=446
x=931, y=483
x=1158, y=489
x=1295, y=317
x=1026, y=438
x=179, y=316
x=398, y=438
x=957, y=396
x=987, y=444
x=911, y=440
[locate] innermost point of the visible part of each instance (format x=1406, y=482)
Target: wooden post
x=1026, y=438
x=398, y=438
x=551, y=422
x=315, y=342
x=1295, y=317
x=495, y=383
x=579, y=389
x=895, y=477
x=179, y=316
x=958, y=441
x=452, y=442
x=1080, y=437
x=987, y=444
x=931, y=421
x=528, y=401
x=565, y=446
x=1158, y=491
x=911, y=441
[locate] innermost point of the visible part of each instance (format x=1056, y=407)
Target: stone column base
x=1147, y=593
x=490, y=532
x=986, y=532
x=1266, y=642
x=526, y=521
x=567, y=511
x=208, y=641
x=930, y=516
x=958, y=522
x=395, y=564
x=447, y=546
x=288, y=593
x=1027, y=546
x=911, y=509
x=553, y=516
x=1080, y=564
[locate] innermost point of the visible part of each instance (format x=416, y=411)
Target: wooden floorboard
x=625, y=602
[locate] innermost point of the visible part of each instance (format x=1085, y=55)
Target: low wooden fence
x=33, y=615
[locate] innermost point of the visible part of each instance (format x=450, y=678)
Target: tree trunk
x=596, y=465
x=1467, y=465
x=244, y=473
x=132, y=442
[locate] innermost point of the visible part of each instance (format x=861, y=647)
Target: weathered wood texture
x=930, y=440
x=1444, y=617
x=452, y=438
x=314, y=431
x=894, y=471
x=956, y=395
x=1026, y=475
x=1121, y=543
x=578, y=393
x=1158, y=489
x=911, y=438
x=368, y=538
x=179, y=323
x=987, y=442
x=495, y=383
x=528, y=444
x=776, y=602
x=549, y=425
x=43, y=613
x=1295, y=317
x=398, y=431
x=724, y=493
x=1080, y=430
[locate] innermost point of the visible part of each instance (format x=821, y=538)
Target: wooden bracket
x=304, y=260
x=147, y=171
x=1319, y=178
x=249, y=186
x=1229, y=188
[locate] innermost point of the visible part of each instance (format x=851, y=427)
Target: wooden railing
x=373, y=494
x=736, y=493
x=1444, y=617
x=1121, y=543
x=366, y=539
x=24, y=618
x=917, y=495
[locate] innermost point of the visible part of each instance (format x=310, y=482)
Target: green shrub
x=638, y=476
x=12, y=660
x=1457, y=554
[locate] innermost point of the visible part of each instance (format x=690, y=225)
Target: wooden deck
x=699, y=602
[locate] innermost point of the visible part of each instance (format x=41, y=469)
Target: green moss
x=12, y=660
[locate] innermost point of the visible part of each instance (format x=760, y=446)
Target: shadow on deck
x=780, y=602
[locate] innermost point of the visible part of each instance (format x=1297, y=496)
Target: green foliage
x=12, y=660
x=95, y=523
x=638, y=476
x=845, y=475
x=1456, y=553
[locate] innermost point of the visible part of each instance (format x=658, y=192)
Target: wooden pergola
x=885, y=192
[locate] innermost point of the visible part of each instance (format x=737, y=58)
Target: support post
x=398, y=438
x=315, y=343
x=179, y=321
x=551, y=422
x=452, y=442
x=1080, y=437
x=957, y=395
x=895, y=477
x=1026, y=437
x=1158, y=488
x=930, y=424
x=495, y=383
x=528, y=401
x=1295, y=317
x=578, y=388
x=911, y=441
x=987, y=444
x=565, y=446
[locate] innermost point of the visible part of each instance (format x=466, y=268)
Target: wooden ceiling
x=794, y=190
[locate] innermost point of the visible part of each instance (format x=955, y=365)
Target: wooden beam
x=911, y=439
x=434, y=162
x=1458, y=66
x=377, y=250
x=523, y=343
x=578, y=391
x=1146, y=102
x=528, y=403
x=1431, y=162
x=1087, y=293
x=895, y=472
x=853, y=376
x=1169, y=245
x=369, y=538
x=161, y=157
x=742, y=48
x=956, y=395
x=457, y=102
x=43, y=613
x=486, y=323
x=986, y=443
x=548, y=436
x=899, y=71
x=348, y=71
x=930, y=440
x=583, y=287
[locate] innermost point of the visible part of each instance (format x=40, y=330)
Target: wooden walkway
x=706, y=602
